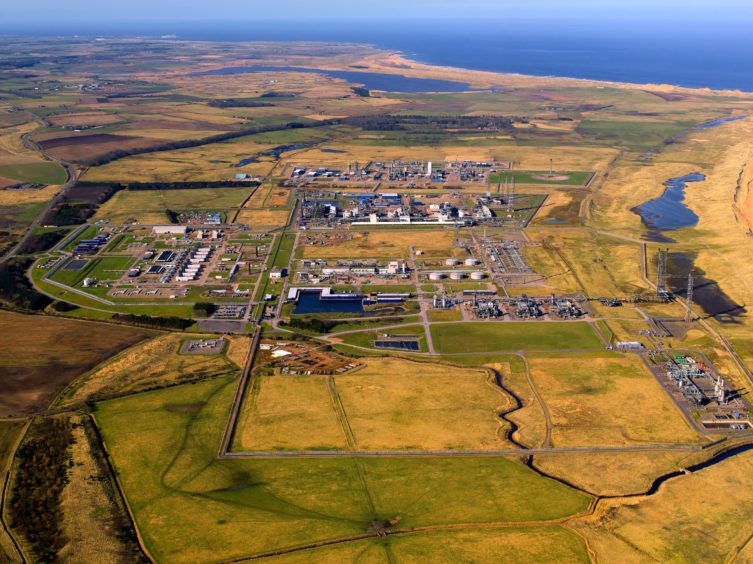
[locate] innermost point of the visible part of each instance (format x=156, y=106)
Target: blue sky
x=50, y=11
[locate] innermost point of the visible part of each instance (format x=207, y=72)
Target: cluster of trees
x=70, y=213
x=239, y=103
x=35, y=504
x=117, y=186
x=15, y=288
x=187, y=143
x=203, y=309
x=388, y=122
x=159, y=322
x=310, y=324
x=44, y=241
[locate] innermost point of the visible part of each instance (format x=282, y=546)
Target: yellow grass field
x=263, y=220
x=290, y=412
x=702, y=517
x=148, y=206
x=87, y=508
x=399, y=404
x=23, y=197
x=611, y=473
x=386, y=243
x=610, y=400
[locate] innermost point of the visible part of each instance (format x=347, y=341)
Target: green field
x=164, y=448
x=574, y=178
x=36, y=173
x=458, y=338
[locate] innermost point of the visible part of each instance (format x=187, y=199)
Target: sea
x=717, y=55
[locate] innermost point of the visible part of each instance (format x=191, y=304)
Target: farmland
x=177, y=475
x=36, y=348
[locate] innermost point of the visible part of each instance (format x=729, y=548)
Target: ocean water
x=687, y=53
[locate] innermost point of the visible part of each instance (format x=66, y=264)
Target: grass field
x=153, y=364
x=148, y=206
x=382, y=244
x=607, y=400
x=557, y=178
x=263, y=220
x=529, y=545
x=388, y=404
x=399, y=404
x=677, y=523
x=163, y=445
x=462, y=338
x=290, y=412
x=36, y=173
x=41, y=355
x=611, y=473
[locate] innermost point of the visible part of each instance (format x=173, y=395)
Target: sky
x=45, y=12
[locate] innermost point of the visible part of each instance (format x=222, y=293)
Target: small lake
x=370, y=80
x=311, y=302
x=668, y=212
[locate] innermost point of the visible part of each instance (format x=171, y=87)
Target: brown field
x=278, y=198
x=263, y=220
x=84, y=119
x=83, y=147
x=692, y=518
x=400, y=404
x=610, y=400
x=153, y=364
x=42, y=355
x=392, y=244
x=290, y=412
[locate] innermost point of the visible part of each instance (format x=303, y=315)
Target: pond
x=312, y=302
x=668, y=212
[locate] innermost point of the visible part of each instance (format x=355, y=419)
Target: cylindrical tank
x=471, y=262
x=478, y=275
x=452, y=262
x=457, y=275
x=435, y=276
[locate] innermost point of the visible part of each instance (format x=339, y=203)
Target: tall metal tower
x=661, y=273
x=689, y=298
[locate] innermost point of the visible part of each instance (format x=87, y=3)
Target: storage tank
x=471, y=262
x=457, y=275
x=478, y=275
x=435, y=276
x=452, y=262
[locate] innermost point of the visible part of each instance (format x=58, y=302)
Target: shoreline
x=396, y=59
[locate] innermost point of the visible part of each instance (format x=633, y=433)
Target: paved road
x=72, y=175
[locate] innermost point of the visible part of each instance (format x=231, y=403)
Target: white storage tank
x=471, y=262
x=457, y=275
x=436, y=276
x=452, y=262
x=478, y=275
